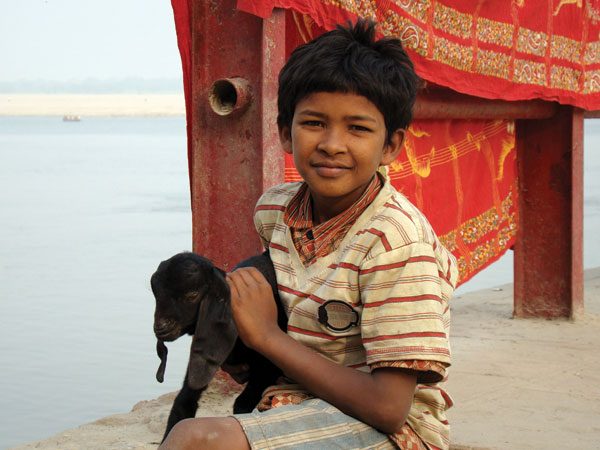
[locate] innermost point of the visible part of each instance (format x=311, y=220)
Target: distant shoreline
x=82, y=105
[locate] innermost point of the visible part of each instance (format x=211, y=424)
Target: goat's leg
x=262, y=374
x=249, y=397
x=184, y=406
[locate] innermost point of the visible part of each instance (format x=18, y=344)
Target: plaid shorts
x=312, y=425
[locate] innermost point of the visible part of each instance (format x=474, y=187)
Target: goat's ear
x=215, y=333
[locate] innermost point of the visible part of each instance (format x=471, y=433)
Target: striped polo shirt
x=379, y=299
x=313, y=241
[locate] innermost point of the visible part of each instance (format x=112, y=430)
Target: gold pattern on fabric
x=453, y=54
x=422, y=165
x=565, y=48
x=508, y=146
x=562, y=3
x=419, y=166
x=494, y=32
x=416, y=8
x=412, y=36
x=532, y=42
x=529, y=72
x=564, y=78
x=453, y=22
x=592, y=13
x=592, y=53
x=493, y=63
x=363, y=8
x=475, y=229
x=592, y=82
x=494, y=46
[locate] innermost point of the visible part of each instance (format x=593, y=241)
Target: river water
x=88, y=211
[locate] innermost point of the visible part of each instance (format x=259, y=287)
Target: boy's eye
x=312, y=123
x=359, y=128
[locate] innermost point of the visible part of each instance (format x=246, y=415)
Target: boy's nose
x=332, y=142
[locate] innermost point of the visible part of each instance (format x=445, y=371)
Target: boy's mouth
x=329, y=170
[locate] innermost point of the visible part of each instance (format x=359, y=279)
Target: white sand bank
x=92, y=105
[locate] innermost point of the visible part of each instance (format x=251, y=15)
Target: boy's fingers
x=247, y=275
x=252, y=275
x=236, y=277
x=232, y=286
x=258, y=276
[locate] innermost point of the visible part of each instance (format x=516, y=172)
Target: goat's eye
x=191, y=296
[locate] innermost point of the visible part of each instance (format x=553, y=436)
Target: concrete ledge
x=516, y=384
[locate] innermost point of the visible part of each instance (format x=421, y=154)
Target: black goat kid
x=192, y=297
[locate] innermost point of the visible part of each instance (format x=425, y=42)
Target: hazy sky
x=64, y=40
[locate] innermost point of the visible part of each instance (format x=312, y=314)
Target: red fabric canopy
x=515, y=50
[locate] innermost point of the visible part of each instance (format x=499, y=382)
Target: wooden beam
x=440, y=103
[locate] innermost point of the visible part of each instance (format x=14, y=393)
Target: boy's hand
x=253, y=306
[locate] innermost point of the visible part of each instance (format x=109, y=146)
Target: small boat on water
x=71, y=118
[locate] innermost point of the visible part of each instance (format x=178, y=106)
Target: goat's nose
x=163, y=324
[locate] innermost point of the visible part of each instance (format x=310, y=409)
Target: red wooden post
x=549, y=247
x=236, y=58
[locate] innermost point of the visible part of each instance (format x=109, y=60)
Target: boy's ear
x=392, y=150
x=285, y=137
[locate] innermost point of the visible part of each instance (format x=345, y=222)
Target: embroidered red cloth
x=515, y=50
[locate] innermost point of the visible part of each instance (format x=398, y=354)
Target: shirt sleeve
x=266, y=215
x=269, y=209
x=405, y=315
x=265, y=237
x=429, y=371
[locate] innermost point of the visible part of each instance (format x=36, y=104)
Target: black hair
x=350, y=60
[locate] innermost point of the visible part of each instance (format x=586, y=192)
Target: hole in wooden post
x=229, y=95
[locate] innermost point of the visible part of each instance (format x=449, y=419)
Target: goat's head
x=192, y=297
x=179, y=284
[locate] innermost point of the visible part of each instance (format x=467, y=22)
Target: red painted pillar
x=549, y=248
x=235, y=154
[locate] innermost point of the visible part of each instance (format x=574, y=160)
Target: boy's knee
x=203, y=433
x=188, y=433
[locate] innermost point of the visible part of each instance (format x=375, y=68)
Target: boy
x=364, y=280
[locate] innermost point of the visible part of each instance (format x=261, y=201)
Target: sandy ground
x=92, y=105
x=517, y=384
x=142, y=428
x=522, y=383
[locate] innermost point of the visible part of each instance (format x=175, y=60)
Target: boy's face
x=338, y=141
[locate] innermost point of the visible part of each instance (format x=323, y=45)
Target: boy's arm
x=381, y=399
